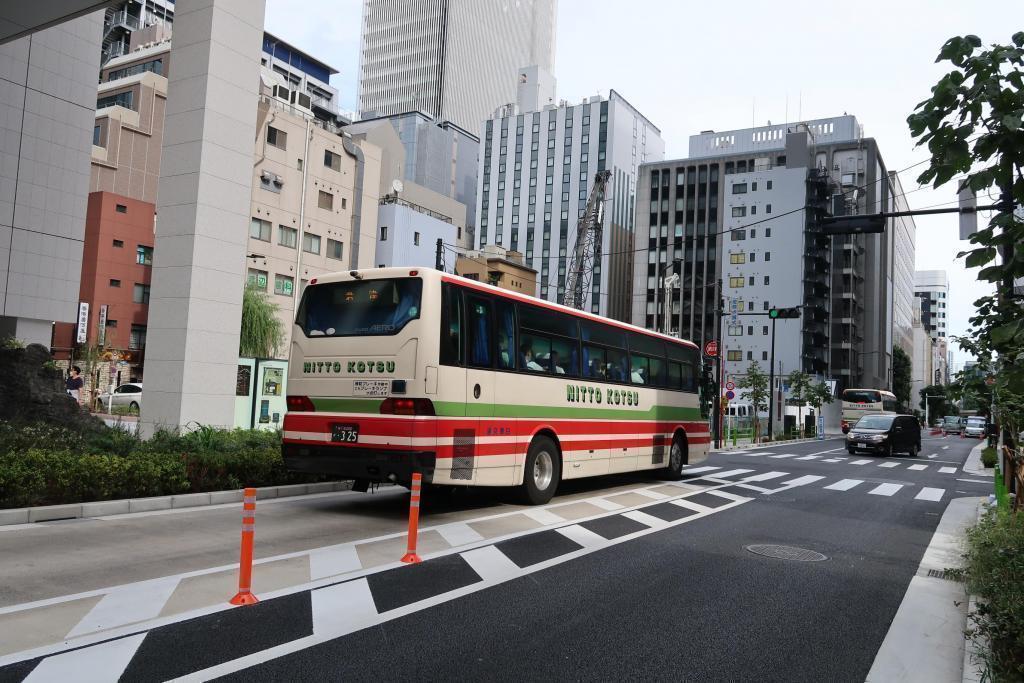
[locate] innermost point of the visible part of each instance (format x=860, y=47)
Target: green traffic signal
x=784, y=313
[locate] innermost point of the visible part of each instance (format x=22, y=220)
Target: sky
x=692, y=66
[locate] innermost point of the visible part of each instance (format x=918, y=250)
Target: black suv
x=885, y=434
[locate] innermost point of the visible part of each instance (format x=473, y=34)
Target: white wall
x=400, y=248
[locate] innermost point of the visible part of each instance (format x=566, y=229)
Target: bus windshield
x=359, y=307
x=861, y=396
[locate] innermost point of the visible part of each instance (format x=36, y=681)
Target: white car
x=128, y=395
x=975, y=427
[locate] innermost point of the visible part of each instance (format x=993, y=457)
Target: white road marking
x=585, y=537
x=104, y=662
x=889, y=464
x=696, y=507
x=808, y=457
x=927, y=493
x=324, y=562
x=765, y=476
x=458, y=533
x=918, y=467
x=343, y=608
x=491, y=564
x=801, y=481
x=833, y=450
x=543, y=516
x=860, y=462
x=604, y=504
x=133, y=603
x=933, y=455
x=947, y=470
x=784, y=455
x=653, y=495
x=975, y=481
x=646, y=519
x=695, y=470
x=833, y=460
x=844, y=484
x=730, y=473
x=885, y=489
x=732, y=497
x=945, y=447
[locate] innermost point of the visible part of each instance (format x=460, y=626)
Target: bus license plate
x=344, y=433
x=371, y=387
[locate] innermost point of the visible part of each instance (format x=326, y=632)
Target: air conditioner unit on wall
x=301, y=99
x=282, y=92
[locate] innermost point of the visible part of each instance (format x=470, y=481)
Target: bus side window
x=451, y=326
x=506, y=334
x=675, y=375
x=479, y=332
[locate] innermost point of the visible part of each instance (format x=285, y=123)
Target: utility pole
x=716, y=428
x=439, y=255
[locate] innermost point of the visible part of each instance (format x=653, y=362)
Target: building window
x=283, y=285
x=767, y=256
x=765, y=306
x=311, y=243
x=751, y=281
x=383, y=233
x=734, y=355
x=739, y=188
x=735, y=330
x=737, y=258
x=118, y=244
x=144, y=255
x=416, y=239
x=287, y=237
x=767, y=232
x=736, y=282
x=769, y=185
x=753, y=187
x=766, y=280
x=332, y=160
x=120, y=208
x=259, y=230
x=257, y=278
x=97, y=132
x=739, y=211
x=121, y=99
x=335, y=249
x=115, y=283
x=764, y=330
x=325, y=200
x=137, y=340
x=738, y=235
x=768, y=208
x=277, y=138
x=111, y=323
x=753, y=210
x=764, y=355
x=140, y=294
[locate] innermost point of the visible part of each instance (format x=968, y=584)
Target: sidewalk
x=747, y=443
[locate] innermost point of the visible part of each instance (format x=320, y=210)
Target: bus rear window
x=359, y=308
x=855, y=396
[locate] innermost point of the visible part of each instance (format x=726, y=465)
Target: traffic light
x=784, y=313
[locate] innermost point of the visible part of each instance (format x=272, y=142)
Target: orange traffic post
x=244, y=595
x=414, y=518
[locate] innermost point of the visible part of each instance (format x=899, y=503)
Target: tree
x=972, y=125
x=756, y=384
x=936, y=406
x=799, y=385
x=901, y=373
x=819, y=394
x=262, y=334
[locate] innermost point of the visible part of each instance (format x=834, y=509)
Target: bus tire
x=542, y=472
x=676, y=459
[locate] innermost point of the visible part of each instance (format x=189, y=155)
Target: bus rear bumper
x=366, y=464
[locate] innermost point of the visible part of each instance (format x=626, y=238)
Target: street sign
x=83, y=321
x=734, y=315
x=730, y=385
x=821, y=427
x=730, y=395
x=711, y=348
x=102, y=332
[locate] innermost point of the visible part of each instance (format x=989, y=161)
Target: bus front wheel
x=542, y=472
x=676, y=459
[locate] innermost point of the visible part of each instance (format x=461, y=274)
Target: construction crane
x=588, y=241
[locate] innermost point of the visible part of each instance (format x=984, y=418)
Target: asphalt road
x=680, y=598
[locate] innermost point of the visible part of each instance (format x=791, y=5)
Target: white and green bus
x=397, y=370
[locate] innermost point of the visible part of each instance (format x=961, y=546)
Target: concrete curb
x=926, y=641
x=769, y=444
x=974, y=664
x=103, y=508
x=973, y=463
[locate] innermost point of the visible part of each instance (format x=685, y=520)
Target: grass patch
x=995, y=572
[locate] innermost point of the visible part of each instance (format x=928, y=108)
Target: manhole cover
x=786, y=552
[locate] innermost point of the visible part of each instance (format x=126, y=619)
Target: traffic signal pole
x=771, y=384
x=716, y=428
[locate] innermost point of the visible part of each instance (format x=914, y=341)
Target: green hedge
x=46, y=465
x=995, y=572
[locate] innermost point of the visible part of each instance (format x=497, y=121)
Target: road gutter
x=926, y=640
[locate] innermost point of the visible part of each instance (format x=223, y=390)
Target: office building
x=499, y=267
x=922, y=357
x=452, y=59
x=932, y=287
x=47, y=106
x=537, y=171
x=741, y=210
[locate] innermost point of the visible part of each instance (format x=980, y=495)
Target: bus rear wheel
x=542, y=472
x=676, y=459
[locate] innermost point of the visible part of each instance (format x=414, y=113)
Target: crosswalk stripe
x=832, y=460
x=808, y=457
x=860, y=462
x=930, y=494
x=784, y=455
x=695, y=470
x=918, y=467
x=945, y=447
x=800, y=481
x=730, y=473
x=844, y=484
x=889, y=464
x=766, y=476
x=885, y=489
x=934, y=455
x=947, y=470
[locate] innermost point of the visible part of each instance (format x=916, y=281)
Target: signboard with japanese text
x=83, y=322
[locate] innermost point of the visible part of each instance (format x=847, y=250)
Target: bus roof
x=426, y=272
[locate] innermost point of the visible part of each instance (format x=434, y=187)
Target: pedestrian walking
x=74, y=383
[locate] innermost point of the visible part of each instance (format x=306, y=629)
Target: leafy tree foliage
x=937, y=407
x=756, y=384
x=262, y=334
x=799, y=386
x=901, y=375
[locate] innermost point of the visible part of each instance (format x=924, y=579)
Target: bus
x=395, y=370
x=859, y=402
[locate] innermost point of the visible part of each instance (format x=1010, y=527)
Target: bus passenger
x=528, y=362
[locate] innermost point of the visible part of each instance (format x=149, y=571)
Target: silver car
x=128, y=395
x=975, y=427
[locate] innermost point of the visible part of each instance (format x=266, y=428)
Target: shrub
x=989, y=457
x=995, y=572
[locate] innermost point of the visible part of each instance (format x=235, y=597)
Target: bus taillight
x=300, y=404
x=406, y=406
